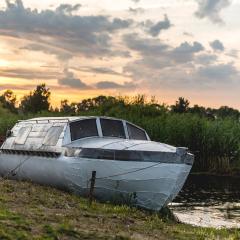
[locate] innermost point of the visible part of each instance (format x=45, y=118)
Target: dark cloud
x=217, y=45
x=114, y=85
x=88, y=36
x=159, y=26
x=187, y=66
x=136, y=10
x=206, y=58
x=71, y=81
x=145, y=46
x=68, y=8
x=24, y=73
x=188, y=34
x=156, y=52
x=211, y=9
x=219, y=72
x=185, y=51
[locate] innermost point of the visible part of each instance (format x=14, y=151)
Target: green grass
x=30, y=211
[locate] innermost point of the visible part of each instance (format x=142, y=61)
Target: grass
x=30, y=211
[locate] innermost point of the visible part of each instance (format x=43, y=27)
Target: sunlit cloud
x=127, y=47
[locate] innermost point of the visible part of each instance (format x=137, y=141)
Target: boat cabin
x=51, y=134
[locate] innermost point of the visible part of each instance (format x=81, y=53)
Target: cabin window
x=22, y=135
x=112, y=128
x=136, y=133
x=83, y=129
x=52, y=136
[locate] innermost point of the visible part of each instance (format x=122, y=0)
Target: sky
x=84, y=48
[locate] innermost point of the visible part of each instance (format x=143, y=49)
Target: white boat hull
x=149, y=185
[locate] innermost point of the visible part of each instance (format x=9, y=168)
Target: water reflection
x=209, y=201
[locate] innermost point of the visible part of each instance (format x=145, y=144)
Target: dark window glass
x=83, y=129
x=97, y=154
x=136, y=133
x=111, y=154
x=112, y=128
x=128, y=155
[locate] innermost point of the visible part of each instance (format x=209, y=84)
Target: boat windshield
x=84, y=128
x=136, y=133
x=112, y=128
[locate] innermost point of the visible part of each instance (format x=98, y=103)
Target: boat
x=63, y=153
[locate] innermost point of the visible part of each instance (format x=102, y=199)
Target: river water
x=209, y=201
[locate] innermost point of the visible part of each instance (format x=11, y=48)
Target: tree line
x=38, y=101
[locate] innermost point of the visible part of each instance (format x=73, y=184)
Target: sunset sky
x=84, y=48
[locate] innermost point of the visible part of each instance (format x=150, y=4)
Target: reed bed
x=215, y=142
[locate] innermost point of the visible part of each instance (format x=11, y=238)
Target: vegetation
x=36, y=101
x=213, y=135
x=29, y=211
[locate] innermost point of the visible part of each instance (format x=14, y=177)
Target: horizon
x=83, y=49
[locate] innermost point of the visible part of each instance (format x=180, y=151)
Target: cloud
x=136, y=10
x=68, y=8
x=217, y=45
x=159, y=26
x=100, y=70
x=219, y=72
x=114, y=85
x=185, y=51
x=136, y=1
x=26, y=73
x=89, y=36
x=233, y=53
x=211, y=9
x=145, y=46
x=71, y=81
x=186, y=66
x=206, y=58
x=155, y=52
x=188, y=34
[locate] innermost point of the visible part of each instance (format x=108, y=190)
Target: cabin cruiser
x=63, y=153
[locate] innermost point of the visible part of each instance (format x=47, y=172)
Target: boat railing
x=62, y=120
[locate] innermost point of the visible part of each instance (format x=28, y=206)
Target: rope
x=125, y=173
x=13, y=171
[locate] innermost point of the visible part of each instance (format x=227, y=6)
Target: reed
x=215, y=142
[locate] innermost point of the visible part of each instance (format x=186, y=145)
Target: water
x=209, y=201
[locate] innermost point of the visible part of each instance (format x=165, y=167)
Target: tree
x=226, y=111
x=68, y=109
x=181, y=106
x=36, y=101
x=9, y=100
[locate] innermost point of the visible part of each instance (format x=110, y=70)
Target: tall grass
x=7, y=120
x=215, y=143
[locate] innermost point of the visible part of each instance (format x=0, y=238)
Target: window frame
x=113, y=119
x=129, y=134
x=18, y=141
x=99, y=128
x=46, y=140
x=79, y=120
